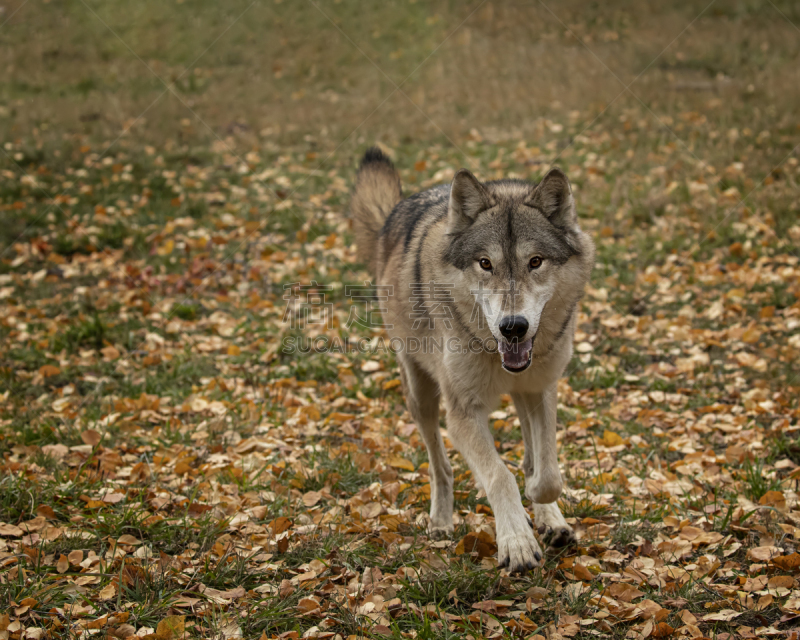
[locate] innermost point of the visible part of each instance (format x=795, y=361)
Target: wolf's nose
x=513, y=327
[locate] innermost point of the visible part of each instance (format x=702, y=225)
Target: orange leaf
x=787, y=563
x=480, y=542
x=773, y=499
x=581, y=572
x=400, y=463
x=49, y=370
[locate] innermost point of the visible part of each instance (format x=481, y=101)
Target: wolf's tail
x=376, y=193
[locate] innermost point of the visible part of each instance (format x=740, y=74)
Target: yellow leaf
x=311, y=412
x=166, y=248
x=233, y=350
x=171, y=627
x=611, y=439
x=736, y=293
x=751, y=335
x=391, y=384
x=603, y=478
x=400, y=463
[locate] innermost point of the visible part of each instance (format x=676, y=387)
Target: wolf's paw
x=557, y=537
x=519, y=553
x=553, y=530
x=440, y=533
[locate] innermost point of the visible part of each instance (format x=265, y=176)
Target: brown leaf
x=311, y=498
x=724, y=615
x=285, y=589
x=10, y=530
x=46, y=512
x=110, y=353
x=762, y=554
x=776, y=582
x=108, y=592
x=690, y=533
x=624, y=592
x=171, y=628
x=480, y=542
x=63, y=564
x=492, y=606
x=91, y=437
x=307, y=605
x=279, y=525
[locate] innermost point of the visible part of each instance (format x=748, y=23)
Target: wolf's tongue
x=515, y=354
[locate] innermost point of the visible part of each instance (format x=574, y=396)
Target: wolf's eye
x=485, y=263
x=536, y=262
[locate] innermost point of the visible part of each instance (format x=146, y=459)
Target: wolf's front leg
x=467, y=427
x=537, y=416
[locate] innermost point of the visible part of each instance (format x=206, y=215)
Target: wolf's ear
x=468, y=198
x=553, y=197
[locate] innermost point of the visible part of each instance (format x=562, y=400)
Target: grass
x=756, y=481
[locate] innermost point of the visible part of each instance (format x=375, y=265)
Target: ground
x=170, y=466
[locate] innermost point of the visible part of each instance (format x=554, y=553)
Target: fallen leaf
x=171, y=628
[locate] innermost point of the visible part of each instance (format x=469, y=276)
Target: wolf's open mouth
x=516, y=355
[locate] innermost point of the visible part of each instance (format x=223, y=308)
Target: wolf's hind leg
x=422, y=400
x=537, y=416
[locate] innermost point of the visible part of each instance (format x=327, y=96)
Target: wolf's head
x=518, y=248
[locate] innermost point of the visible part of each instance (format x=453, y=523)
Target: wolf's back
x=376, y=193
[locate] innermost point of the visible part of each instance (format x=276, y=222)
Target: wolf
x=509, y=262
